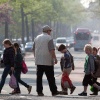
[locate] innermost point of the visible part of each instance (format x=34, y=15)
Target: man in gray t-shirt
x=45, y=58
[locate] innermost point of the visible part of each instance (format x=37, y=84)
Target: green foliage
x=65, y=11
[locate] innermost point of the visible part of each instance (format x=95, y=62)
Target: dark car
x=29, y=46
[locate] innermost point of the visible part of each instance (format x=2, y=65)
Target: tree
x=56, y=13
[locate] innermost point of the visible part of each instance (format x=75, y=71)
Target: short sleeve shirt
x=43, y=44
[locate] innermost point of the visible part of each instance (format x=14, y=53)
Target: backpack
x=63, y=62
x=97, y=66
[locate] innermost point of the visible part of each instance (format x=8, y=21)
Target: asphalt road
x=30, y=78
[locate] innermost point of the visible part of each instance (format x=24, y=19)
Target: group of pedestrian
x=12, y=59
x=45, y=59
x=91, y=68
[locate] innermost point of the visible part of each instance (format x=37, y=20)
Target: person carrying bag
x=18, y=69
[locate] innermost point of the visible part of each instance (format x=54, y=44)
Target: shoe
x=40, y=94
x=56, y=93
x=95, y=93
x=15, y=92
x=82, y=94
x=72, y=89
x=29, y=89
x=63, y=93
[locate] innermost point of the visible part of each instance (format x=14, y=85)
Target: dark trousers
x=95, y=90
x=49, y=72
x=18, y=78
x=5, y=73
x=88, y=80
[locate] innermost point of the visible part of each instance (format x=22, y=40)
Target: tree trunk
x=33, y=31
x=6, y=29
x=23, y=27
x=27, y=29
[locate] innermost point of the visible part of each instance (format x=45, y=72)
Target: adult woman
x=18, y=67
x=8, y=59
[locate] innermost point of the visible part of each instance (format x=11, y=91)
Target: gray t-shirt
x=43, y=44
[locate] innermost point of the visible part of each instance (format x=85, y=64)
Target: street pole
x=23, y=27
x=27, y=29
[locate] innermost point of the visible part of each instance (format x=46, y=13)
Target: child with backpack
x=67, y=65
x=97, y=70
x=89, y=69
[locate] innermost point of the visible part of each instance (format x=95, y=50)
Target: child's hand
x=55, y=61
x=62, y=57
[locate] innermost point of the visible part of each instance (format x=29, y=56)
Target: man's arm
x=51, y=48
x=34, y=49
x=52, y=52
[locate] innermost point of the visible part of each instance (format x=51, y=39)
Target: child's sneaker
x=82, y=94
x=72, y=89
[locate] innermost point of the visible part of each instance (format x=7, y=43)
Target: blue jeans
x=5, y=73
x=18, y=78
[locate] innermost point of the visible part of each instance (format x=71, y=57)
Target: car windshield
x=61, y=41
x=82, y=36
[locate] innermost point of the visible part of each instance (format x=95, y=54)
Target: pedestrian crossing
x=30, y=78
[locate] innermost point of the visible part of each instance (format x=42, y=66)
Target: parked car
x=22, y=49
x=29, y=46
x=54, y=41
x=70, y=42
x=61, y=40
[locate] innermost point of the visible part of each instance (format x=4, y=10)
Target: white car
x=59, y=41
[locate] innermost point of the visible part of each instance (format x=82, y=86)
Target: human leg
x=64, y=90
x=18, y=78
x=67, y=72
x=86, y=80
x=4, y=75
x=49, y=71
x=39, y=86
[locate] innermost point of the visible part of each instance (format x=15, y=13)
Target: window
x=82, y=36
x=61, y=41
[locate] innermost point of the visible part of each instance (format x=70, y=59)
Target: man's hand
x=52, y=52
x=55, y=61
x=12, y=69
x=73, y=67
